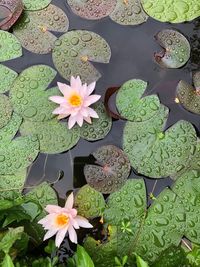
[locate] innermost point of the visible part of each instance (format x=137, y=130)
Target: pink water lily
x=60, y=220
x=75, y=102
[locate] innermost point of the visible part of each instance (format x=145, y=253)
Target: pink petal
x=92, y=113
x=53, y=209
x=72, y=234
x=88, y=119
x=64, y=88
x=70, y=201
x=79, y=120
x=49, y=234
x=59, y=110
x=71, y=122
x=83, y=222
x=73, y=213
x=76, y=83
x=62, y=116
x=49, y=218
x=60, y=236
x=57, y=99
x=91, y=88
x=84, y=112
x=74, y=223
x=91, y=99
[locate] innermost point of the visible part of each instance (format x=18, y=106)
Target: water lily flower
x=75, y=102
x=60, y=220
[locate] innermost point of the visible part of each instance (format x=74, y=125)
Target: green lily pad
x=163, y=227
x=34, y=28
x=5, y=110
x=176, y=49
x=7, y=78
x=187, y=187
x=36, y=4
x=54, y=136
x=18, y=154
x=11, y=185
x=112, y=171
x=157, y=153
x=172, y=11
x=100, y=127
x=89, y=202
x=132, y=106
x=10, y=47
x=128, y=12
x=92, y=9
x=28, y=95
x=196, y=80
x=73, y=52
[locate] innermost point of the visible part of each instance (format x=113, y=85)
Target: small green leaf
x=7, y=261
x=10, y=238
x=140, y=262
x=82, y=258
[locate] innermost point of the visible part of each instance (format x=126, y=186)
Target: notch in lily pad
x=111, y=171
x=176, y=47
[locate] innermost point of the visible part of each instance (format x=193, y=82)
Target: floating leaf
x=54, y=136
x=100, y=127
x=129, y=12
x=18, y=154
x=89, y=202
x=5, y=110
x=10, y=47
x=157, y=153
x=92, y=9
x=28, y=95
x=33, y=29
x=132, y=105
x=196, y=80
x=176, y=49
x=73, y=52
x=36, y=4
x=7, y=78
x=172, y=11
x=112, y=171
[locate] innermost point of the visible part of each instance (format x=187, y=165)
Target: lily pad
x=7, y=78
x=73, y=52
x=132, y=106
x=100, y=127
x=5, y=110
x=128, y=12
x=34, y=28
x=172, y=11
x=157, y=153
x=92, y=9
x=18, y=154
x=10, y=46
x=54, y=136
x=28, y=95
x=112, y=171
x=176, y=49
x=89, y=202
x=36, y=4
x=196, y=80
x=11, y=185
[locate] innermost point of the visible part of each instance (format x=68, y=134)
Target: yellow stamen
x=84, y=59
x=75, y=100
x=177, y=100
x=62, y=220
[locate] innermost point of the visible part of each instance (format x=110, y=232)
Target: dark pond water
x=132, y=48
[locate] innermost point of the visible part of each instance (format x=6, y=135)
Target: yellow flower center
x=62, y=219
x=75, y=100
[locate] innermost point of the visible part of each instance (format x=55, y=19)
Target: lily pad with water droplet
x=172, y=11
x=10, y=47
x=34, y=28
x=18, y=154
x=92, y=9
x=89, y=202
x=132, y=106
x=54, y=136
x=7, y=78
x=5, y=110
x=73, y=52
x=129, y=12
x=100, y=127
x=111, y=172
x=36, y=4
x=196, y=80
x=176, y=49
x=29, y=96
x=155, y=152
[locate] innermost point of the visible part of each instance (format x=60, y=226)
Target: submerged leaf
x=172, y=11
x=7, y=78
x=10, y=46
x=112, y=171
x=36, y=4
x=34, y=28
x=73, y=52
x=128, y=12
x=92, y=9
x=176, y=49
